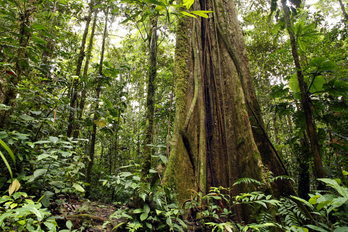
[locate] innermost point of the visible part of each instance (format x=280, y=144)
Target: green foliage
x=19, y=212
x=150, y=208
x=4, y=158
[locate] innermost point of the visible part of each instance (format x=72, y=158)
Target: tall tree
x=213, y=140
x=74, y=91
x=150, y=97
x=305, y=101
x=96, y=114
x=84, y=78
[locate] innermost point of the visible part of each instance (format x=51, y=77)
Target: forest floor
x=85, y=215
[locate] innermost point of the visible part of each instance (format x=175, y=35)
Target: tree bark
x=150, y=100
x=96, y=114
x=217, y=147
x=73, y=101
x=310, y=126
x=84, y=78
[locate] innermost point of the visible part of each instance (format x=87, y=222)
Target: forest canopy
x=163, y=115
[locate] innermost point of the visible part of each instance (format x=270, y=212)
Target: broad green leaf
x=293, y=83
x=54, y=139
x=143, y=216
x=202, y=13
x=146, y=209
x=338, y=181
x=136, y=211
x=187, y=14
x=42, y=156
x=21, y=222
x=45, y=201
x=322, y=204
x=228, y=226
x=69, y=224
x=322, y=64
x=78, y=187
x=302, y=200
x=26, y=117
x=39, y=27
x=39, y=172
x=39, y=40
x=21, y=136
x=125, y=174
x=50, y=226
x=316, y=228
x=169, y=221
x=163, y=159
x=313, y=200
x=341, y=229
x=332, y=183
x=345, y=173
x=3, y=134
x=317, y=84
x=36, y=112
x=143, y=196
x=339, y=201
x=188, y=3
x=42, y=142
x=148, y=225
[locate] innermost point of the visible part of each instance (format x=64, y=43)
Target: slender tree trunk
x=96, y=115
x=303, y=175
x=150, y=100
x=310, y=126
x=84, y=78
x=344, y=12
x=47, y=54
x=73, y=101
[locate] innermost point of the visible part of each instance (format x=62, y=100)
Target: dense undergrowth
x=151, y=207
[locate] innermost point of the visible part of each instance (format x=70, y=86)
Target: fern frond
x=263, y=218
x=293, y=216
x=247, y=181
x=283, y=177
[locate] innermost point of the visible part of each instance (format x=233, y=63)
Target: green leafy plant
x=57, y=169
x=331, y=207
x=20, y=213
x=151, y=208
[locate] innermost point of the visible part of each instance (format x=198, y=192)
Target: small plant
x=151, y=208
x=330, y=207
x=19, y=212
x=212, y=210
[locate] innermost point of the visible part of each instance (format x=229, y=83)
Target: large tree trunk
x=310, y=126
x=215, y=145
x=232, y=38
x=150, y=100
